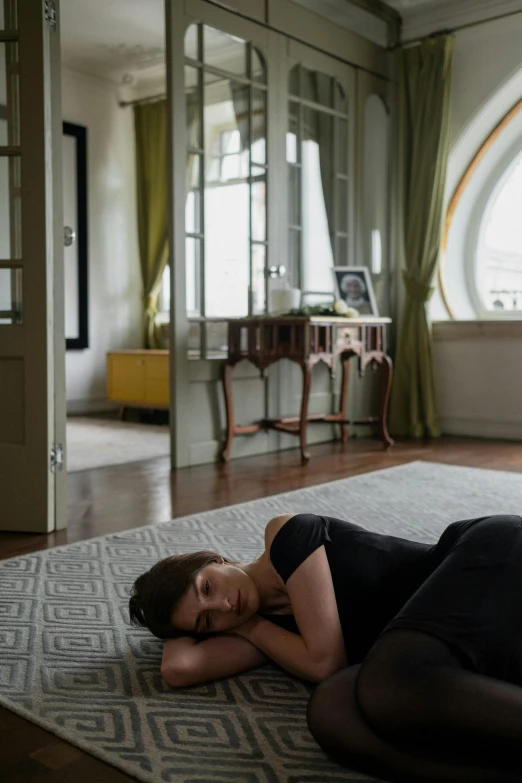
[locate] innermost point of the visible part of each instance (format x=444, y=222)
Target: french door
x=262, y=132
x=32, y=341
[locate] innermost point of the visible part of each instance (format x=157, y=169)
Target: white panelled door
x=32, y=341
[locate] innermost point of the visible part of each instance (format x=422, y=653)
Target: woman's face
x=222, y=597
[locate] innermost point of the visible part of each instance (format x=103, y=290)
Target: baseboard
x=86, y=407
x=481, y=428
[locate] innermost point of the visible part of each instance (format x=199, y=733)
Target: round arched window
x=499, y=246
x=480, y=273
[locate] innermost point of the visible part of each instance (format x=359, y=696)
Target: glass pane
x=164, y=298
x=227, y=124
x=191, y=42
x=227, y=249
x=342, y=205
x=376, y=198
x=259, y=211
x=224, y=52
x=10, y=208
x=192, y=90
x=341, y=163
x=293, y=196
x=258, y=279
x=258, y=126
x=9, y=95
x=499, y=249
x=318, y=127
x=231, y=167
x=8, y=14
x=317, y=202
x=10, y=296
x=227, y=201
x=342, y=251
x=318, y=87
x=292, y=136
x=192, y=265
x=231, y=142
x=192, y=204
x=258, y=66
x=293, y=80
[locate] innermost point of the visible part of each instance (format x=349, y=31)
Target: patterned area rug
x=96, y=443
x=70, y=661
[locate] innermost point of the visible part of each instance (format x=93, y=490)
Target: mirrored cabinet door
x=320, y=170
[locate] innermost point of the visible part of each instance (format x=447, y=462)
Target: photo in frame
x=353, y=284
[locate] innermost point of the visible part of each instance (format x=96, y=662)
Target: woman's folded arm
x=187, y=661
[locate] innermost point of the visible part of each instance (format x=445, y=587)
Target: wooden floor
x=118, y=498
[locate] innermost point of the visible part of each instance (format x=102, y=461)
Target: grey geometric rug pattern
x=70, y=661
x=96, y=443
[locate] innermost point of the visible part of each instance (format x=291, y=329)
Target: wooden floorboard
x=117, y=498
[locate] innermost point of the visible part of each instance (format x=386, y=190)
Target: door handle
x=276, y=271
x=69, y=236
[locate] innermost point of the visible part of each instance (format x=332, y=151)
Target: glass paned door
x=31, y=327
x=227, y=168
x=318, y=215
x=319, y=146
x=224, y=75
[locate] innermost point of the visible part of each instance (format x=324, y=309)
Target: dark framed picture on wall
x=74, y=172
x=353, y=284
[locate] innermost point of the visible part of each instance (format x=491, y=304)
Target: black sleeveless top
x=373, y=574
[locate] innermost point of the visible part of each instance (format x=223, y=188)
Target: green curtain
x=424, y=106
x=150, y=122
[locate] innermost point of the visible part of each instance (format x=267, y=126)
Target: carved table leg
x=344, y=395
x=229, y=409
x=387, y=364
x=307, y=376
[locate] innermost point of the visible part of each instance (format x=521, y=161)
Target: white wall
x=114, y=271
x=478, y=369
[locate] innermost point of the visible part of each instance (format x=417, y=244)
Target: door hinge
x=50, y=14
x=56, y=457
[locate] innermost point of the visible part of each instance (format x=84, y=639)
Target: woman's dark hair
x=155, y=593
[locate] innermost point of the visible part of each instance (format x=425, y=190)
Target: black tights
x=411, y=713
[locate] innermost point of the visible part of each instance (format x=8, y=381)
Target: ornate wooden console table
x=306, y=341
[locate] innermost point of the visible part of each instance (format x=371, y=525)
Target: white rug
x=95, y=443
x=71, y=662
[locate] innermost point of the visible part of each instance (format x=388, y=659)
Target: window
x=499, y=247
x=480, y=270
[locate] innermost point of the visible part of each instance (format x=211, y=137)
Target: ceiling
x=124, y=40
x=113, y=39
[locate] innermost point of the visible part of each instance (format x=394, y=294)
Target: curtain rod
x=415, y=41
x=151, y=98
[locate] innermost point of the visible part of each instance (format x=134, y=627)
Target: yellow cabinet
x=138, y=378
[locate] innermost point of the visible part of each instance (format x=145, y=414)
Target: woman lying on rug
x=417, y=648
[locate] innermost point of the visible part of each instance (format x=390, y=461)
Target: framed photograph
x=353, y=284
